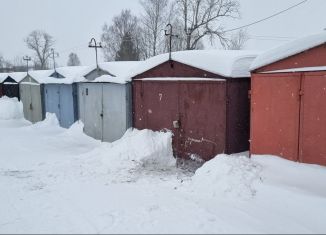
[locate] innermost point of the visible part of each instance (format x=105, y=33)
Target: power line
x=267, y=18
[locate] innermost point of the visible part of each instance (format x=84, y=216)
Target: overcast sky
x=74, y=22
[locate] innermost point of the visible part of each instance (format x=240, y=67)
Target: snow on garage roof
x=116, y=68
x=71, y=71
x=39, y=75
x=3, y=76
x=17, y=76
x=288, y=49
x=110, y=79
x=71, y=75
x=226, y=63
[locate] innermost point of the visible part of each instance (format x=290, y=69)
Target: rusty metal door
x=202, y=108
x=275, y=112
x=194, y=111
x=313, y=119
x=159, y=107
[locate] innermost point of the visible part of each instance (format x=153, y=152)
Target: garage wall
x=310, y=58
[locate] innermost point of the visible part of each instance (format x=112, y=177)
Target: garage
x=31, y=94
x=104, y=101
x=288, y=98
x=10, y=86
x=201, y=96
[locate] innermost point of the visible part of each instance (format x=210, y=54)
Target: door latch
x=176, y=124
x=101, y=115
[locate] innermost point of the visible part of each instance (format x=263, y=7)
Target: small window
x=86, y=91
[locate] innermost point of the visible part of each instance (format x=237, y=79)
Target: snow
x=39, y=75
x=226, y=63
x=71, y=74
x=56, y=180
x=228, y=176
x=3, y=76
x=10, y=108
x=116, y=68
x=17, y=76
x=288, y=49
x=181, y=79
x=110, y=79
x=304, y=69
x=71, y=71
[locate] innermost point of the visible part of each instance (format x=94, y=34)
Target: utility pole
x=95, y=45
x=170, y=35
x=27, y=59
x=53, y=56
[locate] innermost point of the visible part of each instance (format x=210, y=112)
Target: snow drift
x=10, y=108
x=227, y=176
x=136, y=151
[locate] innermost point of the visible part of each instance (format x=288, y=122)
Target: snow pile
x=145, y=147
x=292, y=176
x=10, y=108
x=136, y=151
x=227, y=176
x=51, y=120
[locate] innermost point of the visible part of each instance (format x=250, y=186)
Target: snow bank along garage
x=104, y=101
x=31, y=94
x=201, y=96
x=10, y=86
x=288, y=102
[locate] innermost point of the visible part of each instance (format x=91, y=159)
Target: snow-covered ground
x=54, y=180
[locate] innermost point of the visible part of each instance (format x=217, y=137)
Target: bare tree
x=237, y=40
x=153, y=20
x=202, y=18
x=113, y=35
x=73, y=60
x=2, y=62
x=40, y=42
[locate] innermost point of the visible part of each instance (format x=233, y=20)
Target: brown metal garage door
x=197, y=107
x=156, y=107
x=275, y=110
x=313, y=119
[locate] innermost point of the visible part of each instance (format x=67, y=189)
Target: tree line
x=131, y=37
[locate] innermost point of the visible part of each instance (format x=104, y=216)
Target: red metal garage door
x=313, y=119
x=156, y=107
x=198, y=108
x=275, y=110
x=202, y=106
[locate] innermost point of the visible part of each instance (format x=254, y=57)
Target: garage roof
x=116, y=68
x=226, y=63
x=288, y=49
x=17, y=76
x=3, y=76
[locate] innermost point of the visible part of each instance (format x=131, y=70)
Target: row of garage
x=213, y=101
